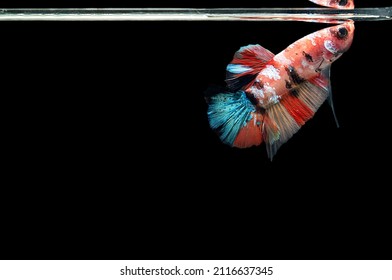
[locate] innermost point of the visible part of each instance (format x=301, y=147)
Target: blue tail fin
x=230, y=113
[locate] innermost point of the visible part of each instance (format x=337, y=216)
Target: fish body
x=336, y=4
x=271, y=96
x=301, y=61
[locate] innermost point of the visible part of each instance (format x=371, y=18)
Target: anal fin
x=285, y=118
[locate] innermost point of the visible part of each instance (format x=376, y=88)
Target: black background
x=109, y=155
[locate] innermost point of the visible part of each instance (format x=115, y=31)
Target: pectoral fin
x=324, y=80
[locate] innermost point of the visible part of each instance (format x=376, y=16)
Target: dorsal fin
x=248, y=61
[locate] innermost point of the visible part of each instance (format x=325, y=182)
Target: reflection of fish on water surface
x=269, y=96
x=337, y=4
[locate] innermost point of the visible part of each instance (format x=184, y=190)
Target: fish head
x=336, y=4
x=341, y=4
x=337, y=40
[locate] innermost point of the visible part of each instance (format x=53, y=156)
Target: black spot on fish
x=295, y=78
x=260, y=110
x=308, y=57
x=294, y=92
x=258, y=84
x=318, y=69
x=288, y=84
x=252, y=99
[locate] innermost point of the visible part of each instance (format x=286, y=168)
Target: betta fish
x=336, y=4
x=270, y=97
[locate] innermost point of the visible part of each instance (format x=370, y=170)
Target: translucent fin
x=324, y=80
x=326, y=73
x=279, y=119
x=285, y=118
x=312, y=95
x=296, y=108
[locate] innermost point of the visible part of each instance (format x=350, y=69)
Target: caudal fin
x=235, y=119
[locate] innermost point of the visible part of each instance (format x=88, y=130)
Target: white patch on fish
x=282, y=60
x=255, y=121
x=291, y=46
x=258, y=93
x=311, y=38
x=270, y=94
x=268, y=89
x=271, y=72
x=304, y=63
x=273, y=99
x=330, y=46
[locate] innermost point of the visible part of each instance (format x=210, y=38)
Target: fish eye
x=342, y=33
x=342, y=2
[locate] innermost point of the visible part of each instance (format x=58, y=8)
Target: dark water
x=106, y=127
